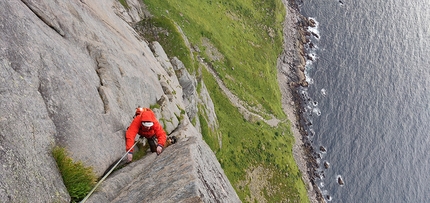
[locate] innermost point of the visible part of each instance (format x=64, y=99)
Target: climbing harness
x=107, y=174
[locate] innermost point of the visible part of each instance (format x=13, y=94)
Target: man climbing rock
x=145, y=124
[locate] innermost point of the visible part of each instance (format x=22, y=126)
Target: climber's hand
x=159, y=149
x=129, y=157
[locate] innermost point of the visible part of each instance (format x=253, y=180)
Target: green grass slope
x=241, y=41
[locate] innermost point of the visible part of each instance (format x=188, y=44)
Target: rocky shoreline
x=291, y=66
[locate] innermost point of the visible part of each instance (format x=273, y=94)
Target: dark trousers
x=152, y=143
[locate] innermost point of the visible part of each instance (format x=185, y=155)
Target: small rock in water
x=315, y=35
x=326, y=165
x=312, y=22
x=340, y=181
x=323, y=149
x=315, y=103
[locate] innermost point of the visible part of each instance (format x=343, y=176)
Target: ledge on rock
x=187, y=171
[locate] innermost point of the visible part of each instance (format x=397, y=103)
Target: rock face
x=72, y=73
x=184, y=172
x=189, y=85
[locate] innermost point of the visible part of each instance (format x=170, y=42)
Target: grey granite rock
x=72, y=74
x=185, y=172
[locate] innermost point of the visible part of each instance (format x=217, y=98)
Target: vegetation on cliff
x=78, y=179
x=240, y=41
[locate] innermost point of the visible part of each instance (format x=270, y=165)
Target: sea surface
x=368, y=102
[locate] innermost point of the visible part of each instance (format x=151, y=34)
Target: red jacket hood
x=147, y=116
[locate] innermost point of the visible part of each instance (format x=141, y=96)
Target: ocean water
x=368, y=103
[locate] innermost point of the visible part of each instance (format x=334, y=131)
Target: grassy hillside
x=241, y=41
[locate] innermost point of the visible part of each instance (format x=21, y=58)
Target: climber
x=146, y=125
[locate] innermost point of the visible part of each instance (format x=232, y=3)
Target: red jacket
x=136, y=128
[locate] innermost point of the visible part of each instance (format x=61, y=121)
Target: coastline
x=291, y=66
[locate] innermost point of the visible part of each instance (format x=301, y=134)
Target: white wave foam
x=316, y=111
x=307, y=76
x=313, y=55
x=323, y=92
x=326, y=195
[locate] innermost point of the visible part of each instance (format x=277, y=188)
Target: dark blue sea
x=369, y=98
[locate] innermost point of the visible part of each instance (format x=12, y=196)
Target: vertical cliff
x=72, y=73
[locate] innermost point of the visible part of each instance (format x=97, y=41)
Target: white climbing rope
x=110, y=171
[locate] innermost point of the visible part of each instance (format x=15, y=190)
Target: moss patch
x=78, y=179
